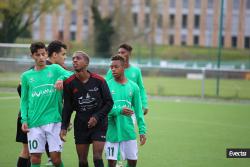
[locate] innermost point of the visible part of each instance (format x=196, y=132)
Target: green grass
x=166, y=86
x=180, y=134
x=170, y=86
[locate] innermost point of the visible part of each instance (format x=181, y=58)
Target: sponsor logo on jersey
x=95, y=89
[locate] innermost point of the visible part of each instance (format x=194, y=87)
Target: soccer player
x=41, y=106
x=121, y=130
x=133, y=73
x=87, y=94
x=56, y=55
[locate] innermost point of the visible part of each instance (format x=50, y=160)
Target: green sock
x=35, y=165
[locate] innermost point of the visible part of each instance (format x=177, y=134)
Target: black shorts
x=20, y=135
x=83, y=135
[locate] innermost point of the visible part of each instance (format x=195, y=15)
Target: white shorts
x=38, y=136
x=128, y=150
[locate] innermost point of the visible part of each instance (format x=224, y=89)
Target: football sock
x=81, y=164
x=61, y=165
x=23, y=162
x=98, y=163
x=35, y=165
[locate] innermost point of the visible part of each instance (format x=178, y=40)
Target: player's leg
x=98, y=147
x=55, y=143
x=49, y=163
x=98, y=138
x=111, y=152
x=82, y=152
x=36, y=144
x=24, y=157
x=129, y=152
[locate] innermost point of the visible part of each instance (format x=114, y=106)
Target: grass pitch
x=180, y=134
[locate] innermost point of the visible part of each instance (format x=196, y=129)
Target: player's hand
x=127, y=111
x=63, y=134
x=142, y=140
x=145, y=110
x=92, y=122
x=25, y=128
x=59, y=85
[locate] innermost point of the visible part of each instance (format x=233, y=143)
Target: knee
x=111, y=163
x=56, y=161
x=25, y=153
x=35, y=159
x=97, y=156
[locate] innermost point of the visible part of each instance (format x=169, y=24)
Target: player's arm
x=63, y=75
x=67, y=110
x=107, y=102
x=144, y=98
x=136, y=103
x=24, y=103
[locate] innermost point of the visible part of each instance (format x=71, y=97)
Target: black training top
x=88, y=99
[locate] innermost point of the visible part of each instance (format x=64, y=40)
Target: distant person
x=121, y=133
x=133, y=73
x=56, y=55
x=87, y=94
x=41, y=106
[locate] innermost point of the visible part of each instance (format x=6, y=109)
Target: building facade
x=171, y=22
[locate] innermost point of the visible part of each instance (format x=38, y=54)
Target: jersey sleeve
x=24, y=99
x=67, y=106
x=144, y=98
x=107, y=102
x=63, y=74
x=136, y=103
x=109, y=75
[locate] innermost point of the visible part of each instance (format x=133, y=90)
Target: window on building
x=184, y=21
x=210, y=4
x=185, y=4
x=85, y=21
x=183, y=39
x=72, y=35
x=196, y=40
x=171, y=21
x=197, y=4
x=159, y=21
x=248, y=4
x=247, y=42
x=236, y=4
x=196, y=21
x=147, y=3
x=60, y=35
x=171, y=39
x=73, y=17
x=147, y=20
x=172, y=3
x=234, y=41
x=135, y=19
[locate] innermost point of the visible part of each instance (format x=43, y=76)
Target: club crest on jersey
x=31, y=79
x=112, y=92
x=130, y=94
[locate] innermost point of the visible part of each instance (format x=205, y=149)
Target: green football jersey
x=133, y=73
x=121, y=127
x=41, y=103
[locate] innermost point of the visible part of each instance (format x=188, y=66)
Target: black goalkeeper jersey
x=88, y=99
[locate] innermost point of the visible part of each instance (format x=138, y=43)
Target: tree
x=16, y=16
x=103, y=32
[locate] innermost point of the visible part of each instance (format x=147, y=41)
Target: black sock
x=98, y=163
x=23, y=162
x=82, y=164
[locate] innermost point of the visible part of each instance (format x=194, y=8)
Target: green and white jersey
x=133, y=73
x=41, y=103
x=121, y=127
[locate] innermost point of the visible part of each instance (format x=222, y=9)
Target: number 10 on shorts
x=33, y=144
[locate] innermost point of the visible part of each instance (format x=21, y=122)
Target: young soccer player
x=56, y=55
x=121, y=131
x=41, y=106
x=133, y=73
x=88, y=94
